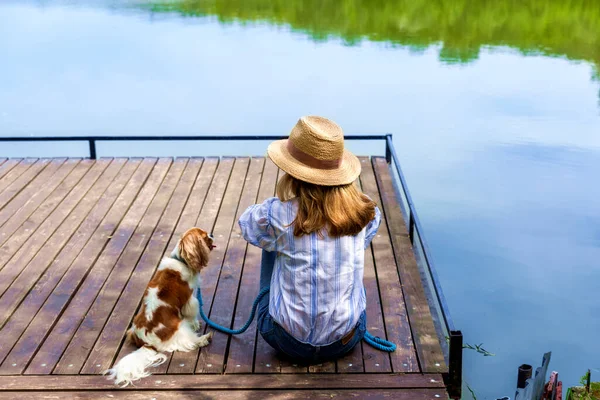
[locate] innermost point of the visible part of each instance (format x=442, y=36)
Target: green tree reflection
x=557, y=28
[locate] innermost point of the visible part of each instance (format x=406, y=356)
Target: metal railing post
x=92, y=144
x=388, y=150
x=454, y=382
x=411, y=228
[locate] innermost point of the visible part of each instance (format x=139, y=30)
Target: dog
x=168, y=319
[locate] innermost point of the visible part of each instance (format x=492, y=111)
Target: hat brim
x=346, y=173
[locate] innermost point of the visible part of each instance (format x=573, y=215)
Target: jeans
x=285, y=343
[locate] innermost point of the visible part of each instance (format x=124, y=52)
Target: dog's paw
x=196, y=325
x=204, y=340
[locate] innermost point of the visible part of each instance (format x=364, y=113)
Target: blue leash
x=376, y=342
x=227, y=330
x=379, y=343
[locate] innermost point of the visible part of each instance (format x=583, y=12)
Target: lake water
x=494, y=107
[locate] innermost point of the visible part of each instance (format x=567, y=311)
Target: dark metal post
x=388, y=149
x=92, y=144
x=454, y=382
x=588, y=381
x=411, y=227
x=525, y=371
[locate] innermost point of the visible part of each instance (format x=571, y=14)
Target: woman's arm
x=372, y=227
x=256, y=227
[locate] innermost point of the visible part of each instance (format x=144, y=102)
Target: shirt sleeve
x=372, y=227
x=256, y=227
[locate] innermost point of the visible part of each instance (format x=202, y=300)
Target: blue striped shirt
x=317, y=292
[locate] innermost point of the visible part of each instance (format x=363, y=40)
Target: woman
x=313, y=236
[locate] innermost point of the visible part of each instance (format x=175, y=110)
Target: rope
x=227, y=330
x=379, y=343
x=376, y=342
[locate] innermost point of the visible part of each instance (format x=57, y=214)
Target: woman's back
x=317, y=292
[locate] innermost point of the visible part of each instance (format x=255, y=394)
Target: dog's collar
x=177, y=257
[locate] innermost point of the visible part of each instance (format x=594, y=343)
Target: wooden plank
x=426, y=340
x=226, y=382
x=45, y=198
x=328, y=367
x=5, y=168
x=23, y=225
x=266, y=359
x=78, y=350
x=12, y=170
x=12, y=198
x=24, y=195
x=241, y=347
x=190, y=213
x=404, y=359
x=373, y=360
x=350, y=363
x=371, y=394
x=289, y=366
x=24, y=321
x=212, y=358
x=113, y=333
x=58, y=339
x=99, y=227
x=185, y=362
x=54, y=242
x=20, y=203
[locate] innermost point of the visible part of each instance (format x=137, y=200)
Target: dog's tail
x=133, y=366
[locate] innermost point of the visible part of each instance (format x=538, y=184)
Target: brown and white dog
x=168, y=319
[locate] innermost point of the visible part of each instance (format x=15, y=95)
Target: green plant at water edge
x=471, y=391
x=459, y=28
x=478, y=348
x=588, y=390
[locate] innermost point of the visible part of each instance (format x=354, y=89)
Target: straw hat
x=315, y=153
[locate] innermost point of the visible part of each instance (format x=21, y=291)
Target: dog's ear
x=193, y=249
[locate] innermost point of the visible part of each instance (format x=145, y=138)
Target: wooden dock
x=80, y=239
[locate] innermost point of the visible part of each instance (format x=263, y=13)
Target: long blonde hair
x=341, y=210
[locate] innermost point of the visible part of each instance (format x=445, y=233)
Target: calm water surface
x=494, y=108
